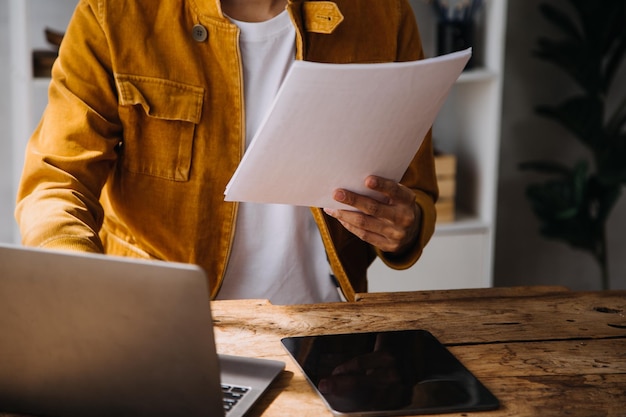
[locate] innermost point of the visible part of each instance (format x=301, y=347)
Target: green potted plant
x=574, y=203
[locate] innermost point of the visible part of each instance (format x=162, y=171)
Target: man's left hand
x=391, y=224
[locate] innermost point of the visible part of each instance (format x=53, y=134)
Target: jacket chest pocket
x=159, y=118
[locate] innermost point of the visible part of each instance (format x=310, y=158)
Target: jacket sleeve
x=420, y=176
x=72, y=151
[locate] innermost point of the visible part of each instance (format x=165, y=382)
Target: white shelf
x=463, y=224
x=477, y=75
x=460, y=254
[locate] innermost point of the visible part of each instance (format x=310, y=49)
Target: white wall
x=523, y=257
x=6, y=189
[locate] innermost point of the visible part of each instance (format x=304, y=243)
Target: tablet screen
x=387, y=373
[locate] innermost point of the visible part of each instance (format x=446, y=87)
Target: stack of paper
x=332, y=125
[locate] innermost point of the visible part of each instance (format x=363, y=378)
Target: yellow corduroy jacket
x=145, y=126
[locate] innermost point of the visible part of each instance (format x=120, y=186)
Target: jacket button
x=199, y=33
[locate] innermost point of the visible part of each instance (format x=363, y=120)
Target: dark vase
x=455, y=35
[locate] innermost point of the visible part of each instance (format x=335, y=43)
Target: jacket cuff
x=427, y=227
x=70, y=243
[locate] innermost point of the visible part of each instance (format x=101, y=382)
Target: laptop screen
x=94, y=335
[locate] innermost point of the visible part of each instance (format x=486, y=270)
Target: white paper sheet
x=332, y=125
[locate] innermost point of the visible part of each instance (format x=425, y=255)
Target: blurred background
x=489, y=126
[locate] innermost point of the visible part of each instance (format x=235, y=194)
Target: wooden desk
x=543, y=351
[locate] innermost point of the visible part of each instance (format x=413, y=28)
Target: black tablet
x=387, y=373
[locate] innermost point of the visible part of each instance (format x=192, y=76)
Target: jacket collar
x=208, y=8
x=213, y=8
x=325, y=9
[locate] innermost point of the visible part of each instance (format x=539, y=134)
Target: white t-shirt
x=277, y=251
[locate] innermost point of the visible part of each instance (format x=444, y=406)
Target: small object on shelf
x=445, y=167
x=43, y=59
x=54, y=37
x=456, y=25
x=42, y=62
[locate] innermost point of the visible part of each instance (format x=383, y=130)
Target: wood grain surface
x=543, y=351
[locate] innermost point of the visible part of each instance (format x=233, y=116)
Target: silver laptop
x=93, y=335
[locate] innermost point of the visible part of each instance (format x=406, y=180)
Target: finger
x=360, y=202
x=395, y=203
x=394, y=191
x=379, y=233
x=369, y=228
x=391, y=221
x=381, y=242
x=400, y=208
x=389, y=224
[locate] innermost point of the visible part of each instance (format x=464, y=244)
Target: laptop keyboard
x=232, y=395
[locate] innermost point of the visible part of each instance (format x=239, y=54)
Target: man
x=151, y=105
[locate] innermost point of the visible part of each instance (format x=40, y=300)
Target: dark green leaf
x=612, y=162
x=573, y=232
x=571, y=58
x=574, y=205
x=561, y=20
x=546, y=167
x=579, y=182
x=582, y=116
x=602, y=198
x=598, y=19
x=614, y=59
x=554, y=200
x=617, y=121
